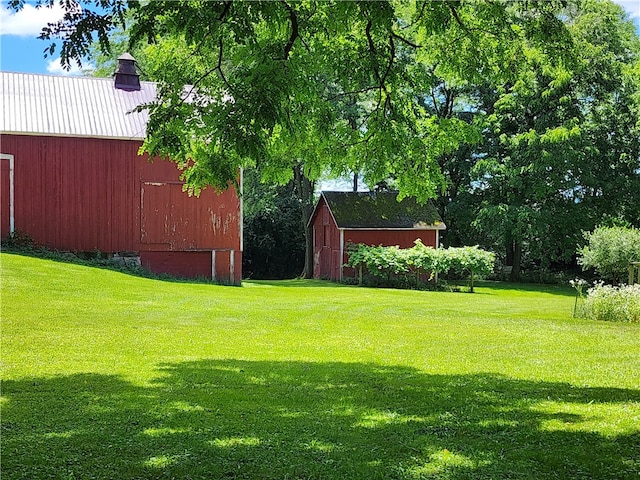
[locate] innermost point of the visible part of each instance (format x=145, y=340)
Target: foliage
x=609, y=251
x=385, y=262
x=616, y=304
x=273, y=230
x=472, y=261
x=336, y=86
x=561, y=144
x=106, y=375
x=19, y=241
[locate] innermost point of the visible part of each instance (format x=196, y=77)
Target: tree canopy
x=562, y=146
x=521, y=117
x=332, y=85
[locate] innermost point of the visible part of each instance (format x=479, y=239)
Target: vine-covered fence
x=420, y=261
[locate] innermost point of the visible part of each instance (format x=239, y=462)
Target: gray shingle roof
x=380, y=210
x=71, y=106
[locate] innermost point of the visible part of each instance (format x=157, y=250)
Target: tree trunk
x=305, y=188
x=508, y=242
x=517, y=259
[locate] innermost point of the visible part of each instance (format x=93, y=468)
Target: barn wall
x=5, y=197
x=85, y=194
x=181, y=264
x=326, y=244
x=402, y=238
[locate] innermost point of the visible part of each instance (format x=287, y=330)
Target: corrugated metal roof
x=72, y=106
x=373, y=210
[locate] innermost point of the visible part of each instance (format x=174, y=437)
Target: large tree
x=562, y=144
x=299, y=88
x=277, y=82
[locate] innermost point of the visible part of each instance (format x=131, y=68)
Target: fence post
x=634, y=272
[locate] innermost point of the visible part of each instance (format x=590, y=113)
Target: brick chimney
x=126, y=76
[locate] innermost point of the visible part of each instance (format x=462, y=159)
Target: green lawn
x=111, y=376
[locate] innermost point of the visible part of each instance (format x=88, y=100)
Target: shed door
x=6, y=196
x=325, y=257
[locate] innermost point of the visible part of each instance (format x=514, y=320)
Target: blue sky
x=21, y=51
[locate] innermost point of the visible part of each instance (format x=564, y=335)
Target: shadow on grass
x=275, y=420
x=296, y=283
x=528, y=287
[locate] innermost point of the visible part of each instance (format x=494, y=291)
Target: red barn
x=372, y=218
x=72, y=179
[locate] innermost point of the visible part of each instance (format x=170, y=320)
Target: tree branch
x=454, y=12
x=294, y=29
x=435, y=103
x=406, y=40
x=372, y=49
x=392, y=56
x=227, y=7
x=217, y=67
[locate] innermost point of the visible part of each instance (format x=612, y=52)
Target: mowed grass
x=111, y=376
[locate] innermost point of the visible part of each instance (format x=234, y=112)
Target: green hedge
x=387, y=263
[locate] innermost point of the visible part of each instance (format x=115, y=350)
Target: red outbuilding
x=371, y=218
x=72, y=179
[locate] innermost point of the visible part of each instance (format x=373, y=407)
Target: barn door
x=155, y=222
x=6, y=196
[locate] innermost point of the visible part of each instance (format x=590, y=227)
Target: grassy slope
x=107, y=375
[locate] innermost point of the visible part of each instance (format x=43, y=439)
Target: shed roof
x=378, y=210
x=72, y=106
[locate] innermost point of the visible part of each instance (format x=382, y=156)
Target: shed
x=371, y=218
x=72, y=178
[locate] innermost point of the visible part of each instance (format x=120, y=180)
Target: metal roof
x=72, y=106
x=380, y=210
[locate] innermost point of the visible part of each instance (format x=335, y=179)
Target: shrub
x=391, y=262
x=616, y=304
x=609, y=251
x=471, y=261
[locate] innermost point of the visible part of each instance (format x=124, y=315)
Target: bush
x=616, y=304
x=609, y=251
x=390, y=263
x=471, y=261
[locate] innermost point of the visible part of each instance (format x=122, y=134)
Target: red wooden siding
x=402, y=238
x=172, y=220
x=183, y=264
x=228, y=266
x=326, y=244
x=5, y=205
x=85, y=194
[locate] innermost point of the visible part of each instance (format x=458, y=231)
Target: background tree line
x=519, y=119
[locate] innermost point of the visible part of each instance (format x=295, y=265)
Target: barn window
x=327, y=235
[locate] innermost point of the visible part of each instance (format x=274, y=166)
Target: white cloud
x=632, y=7
x=29, y=21
x=55, y=68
